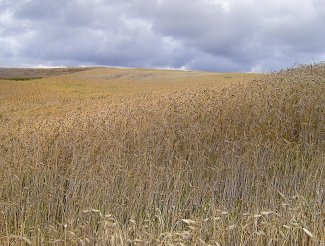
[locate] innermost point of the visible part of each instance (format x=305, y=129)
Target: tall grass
x=239, y=166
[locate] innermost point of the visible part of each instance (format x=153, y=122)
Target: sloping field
x=91, y=82
x=143, y=157
x=94, y=89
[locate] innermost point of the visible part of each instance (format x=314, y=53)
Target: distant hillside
x=32, y=73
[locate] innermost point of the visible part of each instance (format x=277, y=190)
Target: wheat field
x=110, y=156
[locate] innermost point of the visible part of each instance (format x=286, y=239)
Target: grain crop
x=241, y=164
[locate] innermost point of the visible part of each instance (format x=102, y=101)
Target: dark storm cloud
x=214, y=35
x=244, y=33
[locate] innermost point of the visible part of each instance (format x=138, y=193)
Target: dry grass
x=241, y=164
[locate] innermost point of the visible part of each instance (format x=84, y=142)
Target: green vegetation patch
x=22, y=78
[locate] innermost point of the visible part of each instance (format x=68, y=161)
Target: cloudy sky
x=213, y=35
